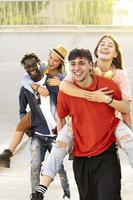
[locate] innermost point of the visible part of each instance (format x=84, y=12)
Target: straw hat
x=60, y=51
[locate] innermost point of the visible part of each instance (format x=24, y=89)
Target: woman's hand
x=53, y=81
x=43, y=91
x=102, y=95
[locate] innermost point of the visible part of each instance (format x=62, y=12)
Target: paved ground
x=15, y=182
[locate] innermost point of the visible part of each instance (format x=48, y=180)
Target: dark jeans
x=98, y=177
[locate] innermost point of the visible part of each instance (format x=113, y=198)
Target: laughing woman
x=109, y=64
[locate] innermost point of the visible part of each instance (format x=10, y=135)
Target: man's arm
x=60, y=123
x=23, y=102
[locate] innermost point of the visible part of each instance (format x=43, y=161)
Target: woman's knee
x=61, y=144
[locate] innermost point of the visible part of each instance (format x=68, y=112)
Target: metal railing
x=59, y=12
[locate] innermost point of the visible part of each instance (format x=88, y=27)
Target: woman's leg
x=124, y=138
x=23, y=125
x=57, y=154
x=17, y=137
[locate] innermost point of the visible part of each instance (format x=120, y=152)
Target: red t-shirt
x=93, y=123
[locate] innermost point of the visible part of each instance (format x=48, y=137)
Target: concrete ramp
x=15, y=182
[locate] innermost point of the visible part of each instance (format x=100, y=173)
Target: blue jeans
x=38, y=148
x=56, y=156
x=127, y=143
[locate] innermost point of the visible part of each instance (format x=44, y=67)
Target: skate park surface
x=15, y=181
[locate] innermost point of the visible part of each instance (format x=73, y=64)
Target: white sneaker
x=66, y=198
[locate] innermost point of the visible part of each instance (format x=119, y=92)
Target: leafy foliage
x=96, y=12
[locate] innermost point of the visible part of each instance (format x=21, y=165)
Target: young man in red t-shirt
x=96, y=166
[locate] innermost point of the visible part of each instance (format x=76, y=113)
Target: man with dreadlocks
x=41, y=118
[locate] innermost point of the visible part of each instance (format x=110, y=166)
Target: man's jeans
x=38, y=149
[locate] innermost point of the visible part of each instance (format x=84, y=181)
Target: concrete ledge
x=65, y=28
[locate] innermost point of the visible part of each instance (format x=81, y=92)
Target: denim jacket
x=39, y=123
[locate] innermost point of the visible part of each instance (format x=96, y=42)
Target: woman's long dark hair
x=117, y=61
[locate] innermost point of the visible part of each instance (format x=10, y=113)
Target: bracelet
x=37, y=88
x=110, y=101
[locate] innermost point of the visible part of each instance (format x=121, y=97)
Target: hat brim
x=52, y=50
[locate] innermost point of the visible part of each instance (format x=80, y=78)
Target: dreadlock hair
x=30, y=56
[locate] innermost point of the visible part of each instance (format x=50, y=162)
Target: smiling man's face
x=30, y=65
x=80, y=69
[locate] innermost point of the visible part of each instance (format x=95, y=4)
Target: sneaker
x=5, y=158
x=36, y=196
x=66, y=198
x=66, y=195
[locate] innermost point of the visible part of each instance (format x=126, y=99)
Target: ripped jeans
x=125, y=136
x=38, y=148
x=55, y=158
x=57, y=154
